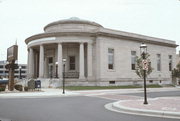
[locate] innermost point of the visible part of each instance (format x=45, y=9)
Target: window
x=170, y=62
x=23, y=67
x=133, y=60
x=110, y=58
x=1, y=66
x=50, y=60
x=1, y=71
x=158, y=62
x=16, y=71
x=72, y=63
x=112, y=82
x=23, y=71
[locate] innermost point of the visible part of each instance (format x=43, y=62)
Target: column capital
x=81, y=42
x=41, y=45
x=59, y=42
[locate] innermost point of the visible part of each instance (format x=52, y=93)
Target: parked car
x=4, y=81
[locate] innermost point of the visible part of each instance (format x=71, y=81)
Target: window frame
x=133, y=65
x=70, y=67
x=111, y=57
x=170, y=62
x=158, y=62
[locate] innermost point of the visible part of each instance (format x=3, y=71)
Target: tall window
x=50, y=60
x=133, y=60
x=158, y=62
x=170, y=62
x=110, y=58
x=72, y=63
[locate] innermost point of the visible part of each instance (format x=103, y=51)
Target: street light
x=143, y=50
x=56, y=70
x=64, y=62
x=20, y=72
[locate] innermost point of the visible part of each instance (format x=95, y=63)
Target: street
x=72, y=108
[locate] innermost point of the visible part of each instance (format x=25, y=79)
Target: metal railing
x=71, y=74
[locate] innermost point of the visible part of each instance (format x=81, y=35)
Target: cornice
x=126, y=36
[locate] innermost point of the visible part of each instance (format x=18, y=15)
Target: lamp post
x=20, y=72
x=143, y=50
x=64, y=62
x=56, y=70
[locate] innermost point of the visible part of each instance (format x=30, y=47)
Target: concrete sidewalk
x=48, y=92
x=45, y=92
x=161, y=107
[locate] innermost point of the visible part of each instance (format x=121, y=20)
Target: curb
x=167, y=114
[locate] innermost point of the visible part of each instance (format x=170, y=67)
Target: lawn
x=109, y=87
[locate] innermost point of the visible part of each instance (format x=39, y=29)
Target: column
x=89, y=60
x=31, y=63
x=28, y=63
x=36, y=65
x=81, y=61
x=45, y=67
x=41, y=62
x=59, y=58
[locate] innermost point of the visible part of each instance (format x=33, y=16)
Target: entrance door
x=50, y=70
x=50, y=67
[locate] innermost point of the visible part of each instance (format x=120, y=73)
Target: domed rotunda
x=90, y=54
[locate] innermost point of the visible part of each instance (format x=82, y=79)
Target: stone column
x=41, y=62
x=59, y=58
x=89, y=60
x=81, y=61
x=28, y=63
x=45, y=68
x=31, y=63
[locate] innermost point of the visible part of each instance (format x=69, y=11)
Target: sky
x=20, y=19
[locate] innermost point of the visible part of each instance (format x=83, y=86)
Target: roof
x=74, y=20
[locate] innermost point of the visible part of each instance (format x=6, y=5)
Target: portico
x=44, y=58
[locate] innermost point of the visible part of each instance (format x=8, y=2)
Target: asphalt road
x=77, y=108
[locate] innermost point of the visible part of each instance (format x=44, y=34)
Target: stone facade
x=85, y=46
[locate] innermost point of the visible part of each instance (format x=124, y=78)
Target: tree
x=139, y=67
x=176, y=72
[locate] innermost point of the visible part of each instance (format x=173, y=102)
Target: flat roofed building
x=95, y=55
x=4, y=73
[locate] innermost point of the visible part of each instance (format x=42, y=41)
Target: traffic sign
x=145, y=64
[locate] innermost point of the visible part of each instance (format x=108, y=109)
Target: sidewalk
x=45, y=92
x=161, y=107
x=48, y=92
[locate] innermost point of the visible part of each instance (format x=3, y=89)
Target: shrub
x=18, y=87
x=2, y=87
x=25, y=88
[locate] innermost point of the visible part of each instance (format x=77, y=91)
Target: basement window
x=112, y=82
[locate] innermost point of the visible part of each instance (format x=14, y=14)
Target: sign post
x=12, y=55
x=145, y=64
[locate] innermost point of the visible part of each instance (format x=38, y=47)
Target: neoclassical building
x=95, y=55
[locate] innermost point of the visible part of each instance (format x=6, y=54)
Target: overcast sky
x=20, y=19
